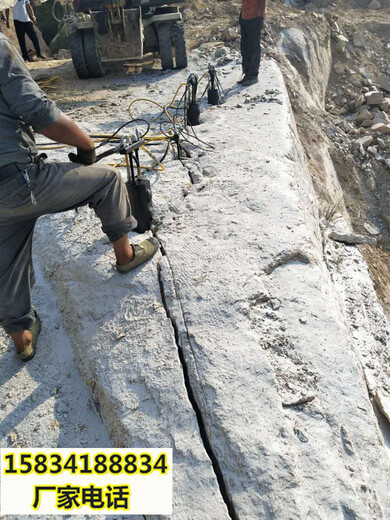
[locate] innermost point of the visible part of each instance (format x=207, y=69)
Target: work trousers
x=56, y=188
x=250, y=45
x=23, y=28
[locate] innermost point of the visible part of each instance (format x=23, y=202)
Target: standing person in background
x=24, y=20
x=251, y=23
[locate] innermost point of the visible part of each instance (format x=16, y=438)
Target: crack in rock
x=191, y=396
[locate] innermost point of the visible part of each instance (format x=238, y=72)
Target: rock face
x=300, y=47
x=233, y=346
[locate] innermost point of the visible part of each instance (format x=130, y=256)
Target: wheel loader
x=103, y=31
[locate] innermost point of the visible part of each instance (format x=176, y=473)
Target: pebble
x=364, y=141
x=371, y=229
x=363, y=116
x=374, y=98
x=381, y=127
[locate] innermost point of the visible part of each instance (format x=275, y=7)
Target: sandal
x=142, y=252
x=29, y=352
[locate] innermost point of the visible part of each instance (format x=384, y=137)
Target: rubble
x=341, y=43
x=383, y=81
x=373, y=230
x=364, y=130
x=364, y=141
x=381, y=127
x=230, y=34
x=63, y=54
x=359, y=101
x=374, y=97
x=364, y=115
x=358, y=40
x=351, y=238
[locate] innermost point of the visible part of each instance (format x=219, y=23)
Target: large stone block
x=239, y=321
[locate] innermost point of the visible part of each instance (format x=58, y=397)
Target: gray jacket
x=24, y=107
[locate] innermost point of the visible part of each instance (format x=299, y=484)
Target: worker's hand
x=34, y=20
x=83, y=156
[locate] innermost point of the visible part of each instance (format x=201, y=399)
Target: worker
x=24, y=21
x=251, y=23
x=31, y=187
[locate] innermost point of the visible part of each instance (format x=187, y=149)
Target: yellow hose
x=165, y=108
x=98, y=138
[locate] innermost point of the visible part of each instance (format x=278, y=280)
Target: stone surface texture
x=236, y=345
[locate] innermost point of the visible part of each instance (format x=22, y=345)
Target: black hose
x=122, y=126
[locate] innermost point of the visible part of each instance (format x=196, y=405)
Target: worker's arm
x=65, y=131
x=23, y=96
x=31, y=13
x=7, y=17
x=30, y=103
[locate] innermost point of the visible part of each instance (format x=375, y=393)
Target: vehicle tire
x=179, y=42
x=92, y=55
x=165, y=45
x=76, y=45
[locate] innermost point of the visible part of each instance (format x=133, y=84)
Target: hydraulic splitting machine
x=174, y=126
x=140, y=193
x=215, y=93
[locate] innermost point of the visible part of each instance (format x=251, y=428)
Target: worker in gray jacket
x=31, y=187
